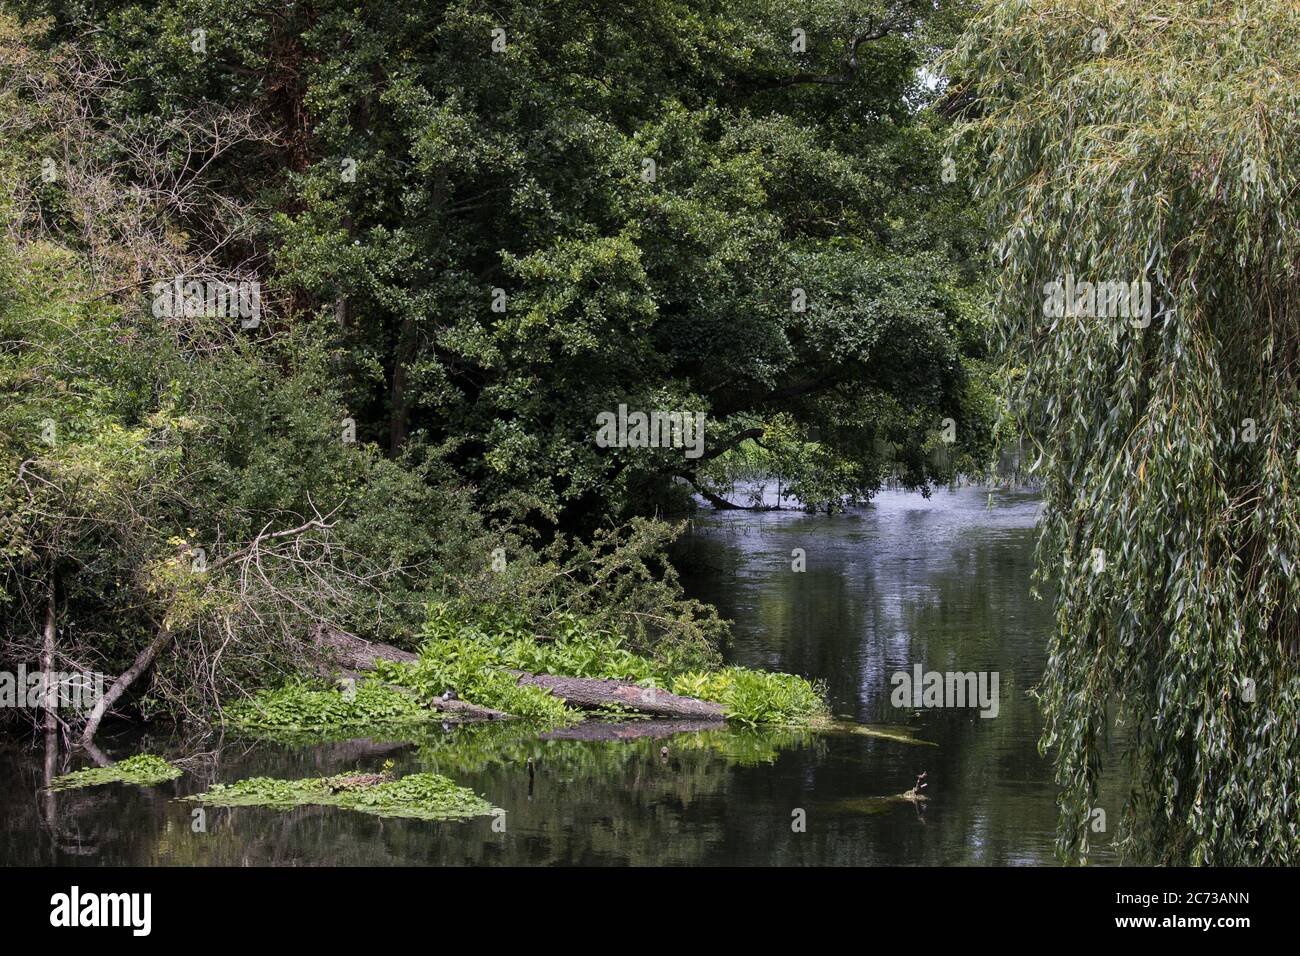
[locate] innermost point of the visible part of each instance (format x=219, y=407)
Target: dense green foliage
x=420, y=796
x=1121, y=142
x=146, y=770
x=476, y=230
x=417, y=170
x=473, y=658
x=315, y=708
x=198, y=495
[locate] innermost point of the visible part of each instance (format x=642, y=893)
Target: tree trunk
x=400, y=395
x=722, y=504
x=354, y=654
x=127, y=678
x=592, y=692
x=51, y=698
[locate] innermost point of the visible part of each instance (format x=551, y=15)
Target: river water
x=942, y=582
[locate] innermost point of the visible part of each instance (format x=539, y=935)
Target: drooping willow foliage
x=1160, y=143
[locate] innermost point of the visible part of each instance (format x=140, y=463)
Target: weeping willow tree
x=1130, y=149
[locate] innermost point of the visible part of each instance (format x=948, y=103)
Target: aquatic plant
x=145, y=770
x=421, y=796
x=582, y=649
x=755, y=697
x=307, y=706
x=476, y=672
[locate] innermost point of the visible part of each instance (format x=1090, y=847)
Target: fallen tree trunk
x=127, y=678
x=593, y=692
x=354, y=654
x=586, y=693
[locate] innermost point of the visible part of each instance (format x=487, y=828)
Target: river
x=942, y=582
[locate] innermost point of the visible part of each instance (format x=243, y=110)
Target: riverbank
x=944, y=581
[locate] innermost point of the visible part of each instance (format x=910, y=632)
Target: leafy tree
x=1123, y=143
x=189, y=500
x=641, y=187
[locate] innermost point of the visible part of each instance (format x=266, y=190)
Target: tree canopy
x=516, y=219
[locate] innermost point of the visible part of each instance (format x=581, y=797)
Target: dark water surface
x=942, y=582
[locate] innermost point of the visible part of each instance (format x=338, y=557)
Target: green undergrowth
x=420, y=796
x=754, y=697
x=475, y=669
x=474, y=660
x=146, y=770
x=472, y=657
x=319, y=708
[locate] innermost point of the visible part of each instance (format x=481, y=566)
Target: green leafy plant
x=473, y=651
x=307, y=706
x=421, y=796
x=145, y=770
